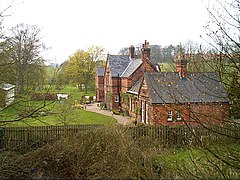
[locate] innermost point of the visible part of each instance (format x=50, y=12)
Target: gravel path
x=120, y=119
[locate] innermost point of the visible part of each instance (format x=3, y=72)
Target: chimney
x=132, y=51
x=181, y=66
x=146, y=50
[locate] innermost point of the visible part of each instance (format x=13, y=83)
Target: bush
x=43, y=96
x=107, y=153
x=115, y=111
x=103, y=106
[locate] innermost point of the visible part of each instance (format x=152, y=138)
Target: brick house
x=121, y=71
x=135, y=85
x=181, y=97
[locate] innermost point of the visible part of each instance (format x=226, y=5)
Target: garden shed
x=7, y=91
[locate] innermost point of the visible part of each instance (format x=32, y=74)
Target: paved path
x=120, y=119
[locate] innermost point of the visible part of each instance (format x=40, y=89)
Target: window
x=169, y=116
x=116, y=98
x=178, y=115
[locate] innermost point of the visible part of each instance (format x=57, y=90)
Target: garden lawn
x=55, y=113
x=76, y=117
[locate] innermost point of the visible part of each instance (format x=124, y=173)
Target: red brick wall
x=107, y=86
x=124, y=85
x=116, y=88
x=210, y=113
x=193, y=113
x=100, y=88
x=159, y=114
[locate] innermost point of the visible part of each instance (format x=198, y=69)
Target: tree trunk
x=86, y=88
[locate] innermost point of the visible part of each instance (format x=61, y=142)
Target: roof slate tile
x=168, y=87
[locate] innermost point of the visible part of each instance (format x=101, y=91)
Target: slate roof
x=136, y=87
x=118, y=64
x=100, y=71
x=132, y=67
x=168, y=87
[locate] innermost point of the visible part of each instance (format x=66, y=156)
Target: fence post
x=2, y=133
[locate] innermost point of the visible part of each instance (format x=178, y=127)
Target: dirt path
x=120, y=119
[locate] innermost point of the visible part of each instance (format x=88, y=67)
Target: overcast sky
x=68, y=25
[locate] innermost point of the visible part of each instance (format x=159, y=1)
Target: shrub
x=115, y=111
x=43, y=96
x=107, y=153
x=103, y=106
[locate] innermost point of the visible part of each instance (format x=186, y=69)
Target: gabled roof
x=118, y=64
x=100, y=71
x=132, y=67
x=135, y=87
x=168, y=87
x=6, y=86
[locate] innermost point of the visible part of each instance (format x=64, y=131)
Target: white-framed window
x=178, y=115
x=170, y=116
x=116, y=98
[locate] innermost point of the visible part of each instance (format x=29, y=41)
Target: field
x=54, y=112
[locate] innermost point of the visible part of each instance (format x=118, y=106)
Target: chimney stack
x=132, y=51
x=181, y=66
x=146, y=50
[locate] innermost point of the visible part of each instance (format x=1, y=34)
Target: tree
x=224, y=32
x=3, y=63
x=80, y=68
x=96, y=53
x=221, y=159
x=22, y=51
x=2, y=16
x=21, y=64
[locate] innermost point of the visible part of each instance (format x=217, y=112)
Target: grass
x=173, y=156
x=167, y=67
x=206, y=162
x=55, y=112
x=72, y=91
x=76, y=117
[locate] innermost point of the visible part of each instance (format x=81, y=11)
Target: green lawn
x=77, y=116
x=55, y=112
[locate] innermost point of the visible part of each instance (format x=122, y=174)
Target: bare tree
x=220, y=159
x=22, y=49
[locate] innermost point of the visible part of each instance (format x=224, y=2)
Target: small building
x=7, y=94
